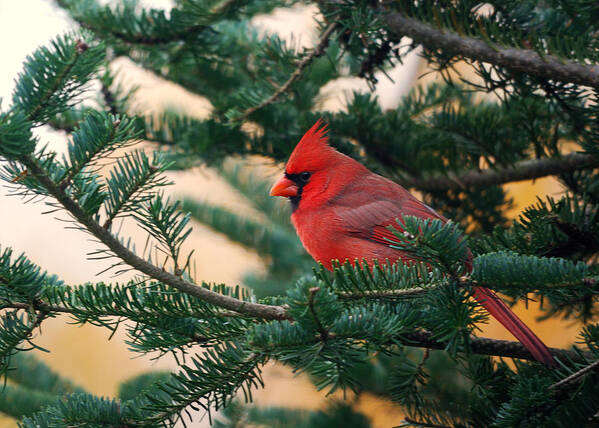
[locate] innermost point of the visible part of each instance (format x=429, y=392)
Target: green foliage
x=338, y=414
x=166, y=321
x=33, y=386
x=80, y=409
x=16, y=138
x=514, y=270
x=97, y=135
x=204, y=384
x=138, y=385
x=16, y=328
x=356, y=327
x=165, y=222
x=17, y=401
x=356, y=283
x=193, y=141
x=441, y=245
x=563, y=228
x=269, y=232
x=54, y=76
x=132, y=182
x=22, y=279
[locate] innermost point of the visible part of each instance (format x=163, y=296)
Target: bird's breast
x=325, y=237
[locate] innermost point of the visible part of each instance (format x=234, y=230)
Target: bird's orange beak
x=284, y=187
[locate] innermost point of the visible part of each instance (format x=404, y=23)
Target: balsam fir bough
x=354, y=329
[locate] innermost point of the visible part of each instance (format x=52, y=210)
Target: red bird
x=341, y=210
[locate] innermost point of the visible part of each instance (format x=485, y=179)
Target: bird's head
x=312, y=169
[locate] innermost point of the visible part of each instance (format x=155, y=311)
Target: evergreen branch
x=524, y=170
x=227, y=302
x=54, y=76
x=59, y=309
x=40, y=306
x=392, y=294
x=324, y=333
x=131, y=182
x=146, y=29
x=16, y=330
x=208, y=383
x=141, y=39
x=522, y=60
x=414, y=422
x=96, y=136
x=318, y=51
x=486, y=346
x=575, y=376
x=17, y=401
x=80, y=48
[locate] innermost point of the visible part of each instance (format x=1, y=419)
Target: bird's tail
x=496, y=307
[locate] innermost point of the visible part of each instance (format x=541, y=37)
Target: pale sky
x=27, y=24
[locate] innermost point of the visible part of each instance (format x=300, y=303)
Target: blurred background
x=84, y=353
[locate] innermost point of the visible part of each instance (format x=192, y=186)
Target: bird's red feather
x=344, y=211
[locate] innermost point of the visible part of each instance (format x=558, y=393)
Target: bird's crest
x=312, y=151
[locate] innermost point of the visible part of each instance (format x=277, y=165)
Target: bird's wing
x=370, y=220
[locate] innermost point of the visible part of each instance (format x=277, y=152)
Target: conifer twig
x=248, y=308
x=575, y=376
x=523, y=170
x=58, y=309
x=486, y=346
x=80, y=48
x=522, y=60
x=182, y=34
x=38, y=305
x=398, y=293
x=324, y=334
x=318, y=50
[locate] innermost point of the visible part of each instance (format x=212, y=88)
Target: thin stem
x=478, y=345
x=575, y=376
x=319, y=50
x=522, y=60
x=324, y=333
x=486, y=346
x=114, y=312
x=391, y=294
x=38, y=305
x=524, y=170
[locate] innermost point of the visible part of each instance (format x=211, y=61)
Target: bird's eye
x=305, y=176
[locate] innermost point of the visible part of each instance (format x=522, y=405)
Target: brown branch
x=421, y=339
x=391, y=294
x=478, y=345
x=574, y=376
x=522, y=60
x=38, y=305
x=524, y=170
x=486, y=346
x=248, y=308
x=57, y=309
x=322, y=44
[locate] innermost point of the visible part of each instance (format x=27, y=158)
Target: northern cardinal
x=341, y=210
